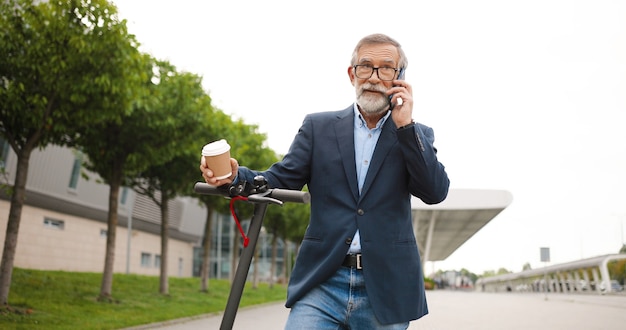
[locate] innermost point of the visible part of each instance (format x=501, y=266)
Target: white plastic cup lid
x=215, y=148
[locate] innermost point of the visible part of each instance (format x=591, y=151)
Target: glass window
x=124, y=196
x=78, y=161
x=146, y=259
x=4, y=152
x=53, y=223
x=180, y=266
x=157, y=261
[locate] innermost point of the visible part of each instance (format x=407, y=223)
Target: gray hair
x=379, y=38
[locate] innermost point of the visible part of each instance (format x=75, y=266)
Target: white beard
x=372, y=103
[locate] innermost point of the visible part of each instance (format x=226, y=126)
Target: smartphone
x=400, y=77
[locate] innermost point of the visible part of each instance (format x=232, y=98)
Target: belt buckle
x=358, y=261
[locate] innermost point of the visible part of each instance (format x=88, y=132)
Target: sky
x=523, y=96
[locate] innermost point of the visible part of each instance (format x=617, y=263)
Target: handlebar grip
x=207, y=189
x=293, y=196
x=284, y=195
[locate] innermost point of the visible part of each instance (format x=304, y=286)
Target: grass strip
x=69, y=300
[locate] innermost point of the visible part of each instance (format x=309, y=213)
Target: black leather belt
x=353, y=261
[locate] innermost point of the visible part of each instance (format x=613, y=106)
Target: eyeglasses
x=365, y=71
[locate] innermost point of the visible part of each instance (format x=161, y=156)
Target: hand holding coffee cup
x=216, y=158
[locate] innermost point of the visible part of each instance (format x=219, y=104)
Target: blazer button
x=348, y=241
x=360, y=212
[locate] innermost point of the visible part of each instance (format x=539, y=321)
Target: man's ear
x=351, y=75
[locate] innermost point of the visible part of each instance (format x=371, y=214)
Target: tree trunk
x=109, y=260
x=286, y=261
x=292, y=258
x=206, y=250
x=255, y=273
x=13, y=224
x=163, y=282
x=273, y=263
x=235, y=258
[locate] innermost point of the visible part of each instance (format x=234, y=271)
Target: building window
x=78, y=162
x=53, y=223
x=103, y=233
x=124, y=196
x=146, y=259
x=157, y=261
x=180, y=266
x=4, y=152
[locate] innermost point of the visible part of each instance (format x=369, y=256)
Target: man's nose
x=374, y=77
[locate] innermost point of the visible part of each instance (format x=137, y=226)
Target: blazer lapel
x=386, y=140
x=344, y=129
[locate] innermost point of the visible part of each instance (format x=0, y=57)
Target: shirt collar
x=359, y=121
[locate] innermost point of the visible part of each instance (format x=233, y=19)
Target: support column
x=596, y=279
x=429, y=237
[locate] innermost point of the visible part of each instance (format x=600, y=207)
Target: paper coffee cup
x=217, y=156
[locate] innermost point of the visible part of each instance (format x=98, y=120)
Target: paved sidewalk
x=462, y=310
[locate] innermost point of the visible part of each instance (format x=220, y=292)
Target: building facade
x=64, y=223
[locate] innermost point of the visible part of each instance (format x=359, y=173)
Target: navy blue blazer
x=404, y=163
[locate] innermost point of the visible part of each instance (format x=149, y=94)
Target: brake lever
x=262, y=198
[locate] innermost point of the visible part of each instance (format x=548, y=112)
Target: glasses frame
x=374, y=68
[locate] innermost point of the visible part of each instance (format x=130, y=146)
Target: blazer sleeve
x=293, y=171
x=428, y=178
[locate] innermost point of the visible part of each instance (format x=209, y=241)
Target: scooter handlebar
x=293, y=196
x=284, y=195
x=207, y=189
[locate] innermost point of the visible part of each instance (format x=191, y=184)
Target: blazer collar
x=344, y=130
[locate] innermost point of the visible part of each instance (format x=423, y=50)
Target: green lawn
x=64, y=300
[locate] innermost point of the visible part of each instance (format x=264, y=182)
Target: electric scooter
x=260, y=195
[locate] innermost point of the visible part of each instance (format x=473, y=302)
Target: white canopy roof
x=442, y=228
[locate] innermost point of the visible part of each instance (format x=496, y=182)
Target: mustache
x=372, y=87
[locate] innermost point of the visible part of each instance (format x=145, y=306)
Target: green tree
x=64, y=65
x=275, y=223
x=250, y=150
x=503, y=271
x=617, y=270
x=181, y=106
x=279, y=222
x=214, y=124
x=473, y=277
x=296, y=224
x=488, y=273
x=248, y=147
x=118, y=150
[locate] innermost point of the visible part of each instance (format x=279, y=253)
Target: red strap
x=246, y=240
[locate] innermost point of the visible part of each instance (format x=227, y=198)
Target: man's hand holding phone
x=397, y=100
x=401, y=101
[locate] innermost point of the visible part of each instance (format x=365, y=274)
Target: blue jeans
x=339, y=303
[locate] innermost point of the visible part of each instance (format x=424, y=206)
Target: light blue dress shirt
x=365, y=140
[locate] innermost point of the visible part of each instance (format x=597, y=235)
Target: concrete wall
x=80, y=245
